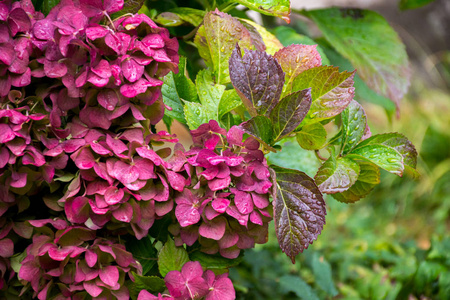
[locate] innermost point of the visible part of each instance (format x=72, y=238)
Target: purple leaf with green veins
x=261, y=128
x=381, y=155
x=336, y=175
x=277, y=8
x=369, y=177
x=331, y=91
x=289, y=113
x=354, y=123
x=299, y=211
x=258, y=79
x=369, y=42
x=398, y=142
x=217, y=38
x=296, y=59
x=312, y=136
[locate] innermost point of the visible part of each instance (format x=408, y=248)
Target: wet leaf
x=369, y=177
x=288, y=36
x=153, y=284
x=312, y=136
x=272, y=44
x=129, y=7
x=258, y=79
x=261, y=128
x=381, y=155
x=299, y=211
x=331, y=91
x=171, y=257
x=217, y=38
x=176, y=88
x=214, y=261
x=230, y=100
x=369, y=42
x=295, y=59
x=195, y=115
x=181, y=15
x=354, y=123
x=277, y=8
x=209, y=93
x=289, y=113
x=398, y=142
x=337, y=174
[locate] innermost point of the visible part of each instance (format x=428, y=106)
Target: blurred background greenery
x=395, y=243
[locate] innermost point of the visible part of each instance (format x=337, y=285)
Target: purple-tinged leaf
x=354, y=122
x=296, y=59
x=289, y=113
x=398, y=142
x=299, y=211
x=259, y=127
x=369, y=177
x=216, y=40
x=336, y=175
x=258, y=79
x=331, y=91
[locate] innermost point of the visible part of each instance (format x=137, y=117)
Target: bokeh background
x=395, y=243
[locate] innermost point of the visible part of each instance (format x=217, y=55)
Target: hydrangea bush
x=96, y=203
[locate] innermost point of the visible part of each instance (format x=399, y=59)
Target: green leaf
x=299, y=211
x=289, y=36
x=129, y=7
x=214, y=261
x=383, y=156
x=398, y=142
x=331, y=91
x=260, y=127
x=171, y=258
x=312, y=136
x=219, y=36
x=277, y=8
x=427, y=273
x=176, y=88
x=322, y=274
x=289, y=113
x=336, y=175
x=354, y=122
x=47, y=5
x=444, y=285
x=369, y=42
x=290, y=283
x=180, y=15
x=272, y=44
x=209, y=93
x=65, y=178
x=258, y=80
x=293, y=157
x=369, y=177
x=153, y=284
x=230, y=100
x=413, y=4
x=295, y=59
x=195, y=114
x=144, y=251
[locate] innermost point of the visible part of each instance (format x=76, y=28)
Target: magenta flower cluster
x=226, y=205
x=78, y=167
x=194, y=283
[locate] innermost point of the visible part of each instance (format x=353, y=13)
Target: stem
x=319, y=156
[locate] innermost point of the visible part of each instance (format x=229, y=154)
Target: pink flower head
x=187, y=284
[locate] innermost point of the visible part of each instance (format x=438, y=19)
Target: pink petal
x=93, y=289
x=243, y=202
x=113, y=195
x=124, y=213
x=214, y=229
x=109, y=275
x=91, y=258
